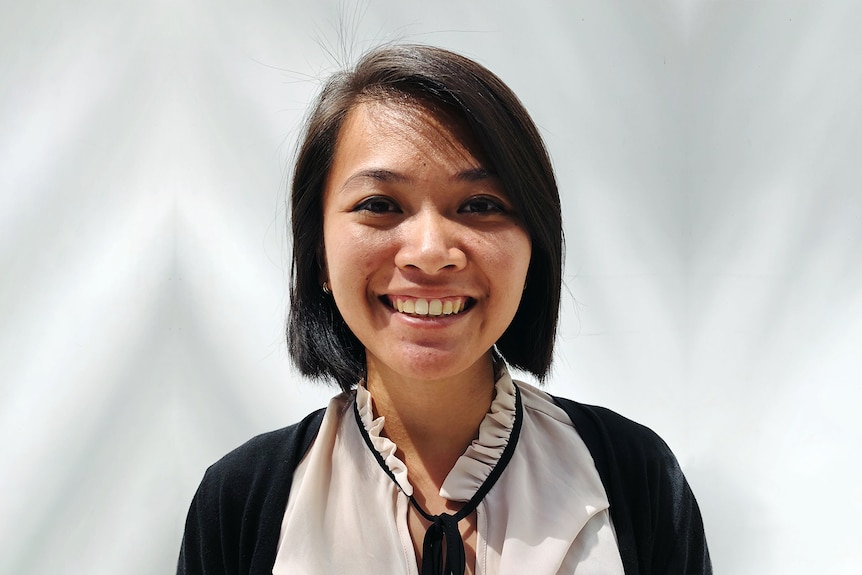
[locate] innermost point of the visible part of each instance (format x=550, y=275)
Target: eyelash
x=374, y=204
x=369, y=204
x=491, y=205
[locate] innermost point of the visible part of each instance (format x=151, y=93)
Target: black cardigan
x=235, y=517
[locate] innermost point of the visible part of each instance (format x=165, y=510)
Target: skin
x=410, y=211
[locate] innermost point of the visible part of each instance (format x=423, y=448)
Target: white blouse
x=547, y=513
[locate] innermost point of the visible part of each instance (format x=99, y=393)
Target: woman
x=427, y=254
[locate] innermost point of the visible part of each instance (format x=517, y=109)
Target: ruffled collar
x=478, y=461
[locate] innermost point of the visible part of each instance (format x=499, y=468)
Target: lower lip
x=428, y=320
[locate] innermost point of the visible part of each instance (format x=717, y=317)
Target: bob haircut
x=319, y=341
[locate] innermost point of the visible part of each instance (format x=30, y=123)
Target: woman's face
x=424, y=255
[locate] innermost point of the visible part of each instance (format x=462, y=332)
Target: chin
x=433, y=364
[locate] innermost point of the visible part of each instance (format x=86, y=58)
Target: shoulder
x=604, y=428
x=232, y=523
x=655, y=514
x=600, y=428
x=268, y=455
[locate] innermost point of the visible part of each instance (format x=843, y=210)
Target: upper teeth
x=421, y=306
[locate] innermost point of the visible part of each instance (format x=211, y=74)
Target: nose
x=429, y=242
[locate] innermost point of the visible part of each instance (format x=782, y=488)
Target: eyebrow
x=389, y=176
x=377, y=174
x=474, y=175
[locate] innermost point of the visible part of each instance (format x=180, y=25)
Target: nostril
x=430, y=243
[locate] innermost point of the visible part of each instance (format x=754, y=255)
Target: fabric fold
x=479, y=459
x=481, y=456
x=384, y=446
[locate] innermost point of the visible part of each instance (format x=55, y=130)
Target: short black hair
x=319, y=341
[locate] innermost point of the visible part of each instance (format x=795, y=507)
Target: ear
x=322, y=269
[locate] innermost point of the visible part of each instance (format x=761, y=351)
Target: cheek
x=504, y=258
x=353, y=256
x=511, y=253
x=517, y=265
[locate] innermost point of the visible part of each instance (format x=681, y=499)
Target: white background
x=708, y=155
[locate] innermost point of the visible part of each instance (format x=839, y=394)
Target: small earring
x=325, y=288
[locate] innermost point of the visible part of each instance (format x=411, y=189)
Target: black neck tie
x=444, y=527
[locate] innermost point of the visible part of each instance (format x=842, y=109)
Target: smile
x=429, y=307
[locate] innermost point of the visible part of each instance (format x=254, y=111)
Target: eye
x=482, y=205
x=377, y=205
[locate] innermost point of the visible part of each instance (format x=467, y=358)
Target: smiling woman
x=414, y=223
x=427, y=259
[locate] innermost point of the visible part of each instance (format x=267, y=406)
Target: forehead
x=416, y=131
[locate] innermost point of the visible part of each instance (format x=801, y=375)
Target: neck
x=432, y=422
